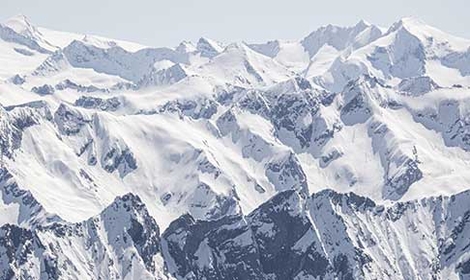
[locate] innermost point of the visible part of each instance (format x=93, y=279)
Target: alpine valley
x=342, y=155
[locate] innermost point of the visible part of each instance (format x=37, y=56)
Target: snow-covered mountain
x=342, y=155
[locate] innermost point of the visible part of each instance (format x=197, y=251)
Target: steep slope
x=409, y=49
x=341, y=38
x=208, y=48
x=291, y=54
x=244, y=154
x=314, y=54
x=20, y=51
x=131, y=66
x=20, y=30
x=239, y=65
x=122, y=242
x=326, y=236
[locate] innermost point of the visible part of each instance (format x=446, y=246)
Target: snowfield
x=343, y=155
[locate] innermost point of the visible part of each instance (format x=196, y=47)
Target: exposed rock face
x=122, y=242
x=163, y=77
x=287, y=174
x=68, y=84
x=119, y=159
x=417, y=85
x=326, y=236
x=69, y=121
x=211, y=250
x=195, y=109
x=43, y=90
x=30, y=212
x=89, y=102
x=251, y=157
x=14, y=120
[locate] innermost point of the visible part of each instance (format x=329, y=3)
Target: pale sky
x=166, y=23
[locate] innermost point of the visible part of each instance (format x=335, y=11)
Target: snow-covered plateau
x=342, y=155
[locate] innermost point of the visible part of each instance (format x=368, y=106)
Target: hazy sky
x=166, y=23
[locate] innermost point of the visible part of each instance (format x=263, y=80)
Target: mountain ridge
x=279, y=221
x=343, y=154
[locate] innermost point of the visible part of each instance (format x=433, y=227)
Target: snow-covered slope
x=409, y=49
x=205, y=133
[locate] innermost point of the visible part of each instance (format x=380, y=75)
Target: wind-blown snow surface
x=211, y=131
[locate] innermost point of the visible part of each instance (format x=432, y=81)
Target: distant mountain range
x=342, y=155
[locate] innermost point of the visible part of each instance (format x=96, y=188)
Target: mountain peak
x=337, y=37
x=186, y=47
x=99, y=42
x=208, y=48
x=19, y=18
x=270, y=48
x=128, y=203
x=418, y=28
x=236, y=46
x=408, y=23
x=19, y=29
x=20, y=24
x=362, y=23
x=411, y=20
x=421, y=30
